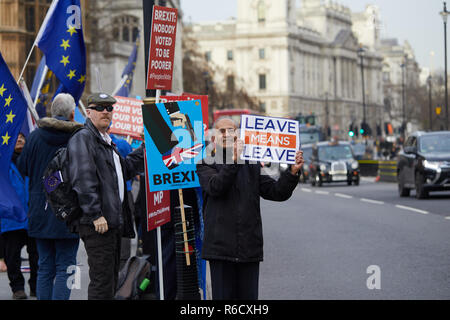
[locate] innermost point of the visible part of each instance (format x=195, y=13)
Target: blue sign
x=174, y=142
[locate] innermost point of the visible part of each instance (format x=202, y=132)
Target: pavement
x=343, y=242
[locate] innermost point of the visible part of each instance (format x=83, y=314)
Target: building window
x=262, y=107
x=208, y=56
x=30, y=19
x=229, y=55
x=126, y=28
x=262, y=53
x=262, y=82
x=261, y=11
x=230, y=83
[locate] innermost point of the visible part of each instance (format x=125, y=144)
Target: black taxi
x=333, y=162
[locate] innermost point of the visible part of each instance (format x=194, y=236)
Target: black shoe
x=19, y=295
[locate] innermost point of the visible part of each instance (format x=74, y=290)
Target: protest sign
x=158, y=205
x=127, y=118
x=162, y=48
x=174, y=139
x=269, y=139
x=187, y=96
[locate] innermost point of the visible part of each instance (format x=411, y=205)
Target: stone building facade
x=297, y=60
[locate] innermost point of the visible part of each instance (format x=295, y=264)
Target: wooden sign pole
x=183, y=222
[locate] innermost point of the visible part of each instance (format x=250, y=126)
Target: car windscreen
x=309, y=137
x=307, y=152
x=359, y=148
x=335, y=153
x=439, y=143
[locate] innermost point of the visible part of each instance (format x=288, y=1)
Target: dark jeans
x=234, y=281
x=14, y=241
x=56, y=256
x=103, y=251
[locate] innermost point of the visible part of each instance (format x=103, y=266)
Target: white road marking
x=411, y=209
x=341, y=195
x=372, y=201
x=306, y=190
x=448, y=218
x=322, y=192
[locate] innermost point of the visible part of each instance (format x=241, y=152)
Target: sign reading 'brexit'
x=162, y=48
x=269, y=139
x=174, y=139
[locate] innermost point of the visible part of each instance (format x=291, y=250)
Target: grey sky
x=417, y=21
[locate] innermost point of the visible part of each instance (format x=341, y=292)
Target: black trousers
x=103, y=252
x=234, y=281
x=14, y=241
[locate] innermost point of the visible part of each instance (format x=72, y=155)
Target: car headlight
x=433, y=165
x=323, y=167
x=355, y=165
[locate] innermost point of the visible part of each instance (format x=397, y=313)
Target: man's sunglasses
x=101, y=108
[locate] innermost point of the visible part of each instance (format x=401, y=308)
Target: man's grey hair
x=224, y=118
x=63, y=105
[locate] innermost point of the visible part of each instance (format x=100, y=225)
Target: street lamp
x=429, y=80
x=444, y=15
x=403, y=66
x=361, y=56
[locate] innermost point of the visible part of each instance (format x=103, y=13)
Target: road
x=325, y=243
x=330, y=242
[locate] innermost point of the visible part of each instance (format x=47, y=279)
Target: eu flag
x=61, y=40
x=128, y=72
x=13, y=108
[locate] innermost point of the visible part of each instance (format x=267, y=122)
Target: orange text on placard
x=270, y=139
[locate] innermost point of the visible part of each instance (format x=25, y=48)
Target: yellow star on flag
x=6, y=138
x=2, y=89
x=71, y=74
x=10, y=117
x=72, y=30
x=8, y=101
x=65, y=44
x=82, y=79
x=65, y=60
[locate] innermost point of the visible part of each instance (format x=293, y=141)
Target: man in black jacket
x=98, y=175
x=233, y=240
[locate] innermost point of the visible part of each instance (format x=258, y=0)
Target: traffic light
x=365, y=130
x=351, y=132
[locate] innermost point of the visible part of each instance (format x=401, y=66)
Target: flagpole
x=41, y=82
x=26, y=62
x=121, y=83
x=41, y=30
x=27, y=96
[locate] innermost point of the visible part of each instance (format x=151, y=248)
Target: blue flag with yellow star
x=61, y=39
x=13, y=108
x=128, y=72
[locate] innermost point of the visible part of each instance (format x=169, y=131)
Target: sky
x=417, y=21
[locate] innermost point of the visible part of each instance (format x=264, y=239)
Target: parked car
x=304, y=174
x=359, y=150
x=424, y=164
x=333, y=162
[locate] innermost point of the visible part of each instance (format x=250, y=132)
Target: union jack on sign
x=180, y=155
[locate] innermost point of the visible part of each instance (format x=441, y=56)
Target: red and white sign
x=162, y=48
x=127, y=118
x=158, y=204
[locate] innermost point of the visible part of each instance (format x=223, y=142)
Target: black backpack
x=57, y=188
x=134, y=279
